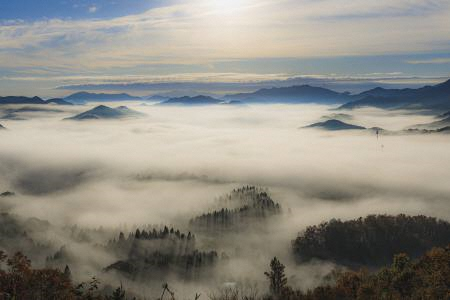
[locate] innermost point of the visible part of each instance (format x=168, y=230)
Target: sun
x=227, y=6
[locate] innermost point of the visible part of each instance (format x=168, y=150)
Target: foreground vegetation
x=147, y=256
x=425, y=278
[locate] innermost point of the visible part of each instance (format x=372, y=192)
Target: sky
x=46, y=45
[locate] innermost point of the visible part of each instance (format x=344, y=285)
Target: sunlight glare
x=227, y=6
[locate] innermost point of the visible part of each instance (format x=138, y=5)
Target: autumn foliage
x=20, y=281
x=426, y=278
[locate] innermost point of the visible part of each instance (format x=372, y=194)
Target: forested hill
x=371, y=241
x=238, y=210
x=157, y=253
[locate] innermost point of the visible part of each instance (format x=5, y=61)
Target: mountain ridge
x=21, y=100
x=293, y=94
x=83, y=97
x=436, y=97
x=192, y=101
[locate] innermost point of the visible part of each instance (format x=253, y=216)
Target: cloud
x=199, y=32
x=227, y=83
x=92, y=9
x=442, y=60
x=174, y=163
x=197, y=37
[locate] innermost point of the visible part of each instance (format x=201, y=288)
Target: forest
x=166, y=250
x=427, y=277
x=378, y=256
x=371, y=241
x=242, y=208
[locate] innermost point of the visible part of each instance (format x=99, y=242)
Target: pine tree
x=118, y=294
x=68, y=273
x=277, y=278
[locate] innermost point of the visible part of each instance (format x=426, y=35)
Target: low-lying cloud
x=173, y=164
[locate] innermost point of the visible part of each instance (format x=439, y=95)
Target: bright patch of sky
x=63, y=42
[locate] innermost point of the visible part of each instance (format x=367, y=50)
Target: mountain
x=157, y=98
x=31, y=100
x=444, y=129
x=444, y=115
x=337, y=116
x=333, y=125
x=21, y=100
x=82, y=97
x=197, y=100
x=16, y=113
x=439, y=124
x=105, y=112
x=433, y=125
x=425, y=131
x=28, y=109
x=293, y=94
x=58, y=101
x=435, y=97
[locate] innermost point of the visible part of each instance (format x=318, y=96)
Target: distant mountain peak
x=106, y=112
x=292, y=94
x=102, y=107
x=58, y=101
x=334, y=124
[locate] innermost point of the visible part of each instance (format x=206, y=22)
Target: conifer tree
x=277, y=278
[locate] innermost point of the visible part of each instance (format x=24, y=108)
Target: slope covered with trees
x=371, y=241
x=159, y=252
x=237, y=210
x=16, y=235
x=426, y=278
x=19, y=281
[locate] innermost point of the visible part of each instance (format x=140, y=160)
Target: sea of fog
x=173, y=163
